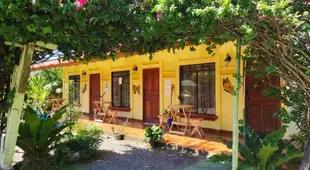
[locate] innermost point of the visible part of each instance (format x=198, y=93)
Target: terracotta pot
x=118, y=136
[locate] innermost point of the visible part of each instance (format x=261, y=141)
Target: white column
x=19, y=82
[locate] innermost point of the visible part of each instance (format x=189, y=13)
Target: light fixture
x=83, y=73
x=135, y=68
x=227, y=60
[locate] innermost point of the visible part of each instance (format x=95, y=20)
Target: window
x=74, y=89
x=120, y=89
x=198, y=87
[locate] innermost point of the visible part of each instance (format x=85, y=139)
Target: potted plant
x=119, y=135
x=153, y=135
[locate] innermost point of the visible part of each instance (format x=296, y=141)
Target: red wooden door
x=94, y=93
x=260, y=110
x=150, y=95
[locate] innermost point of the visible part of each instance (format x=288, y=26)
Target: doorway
x=94, y=93
x=260, y=110
x=151, y=95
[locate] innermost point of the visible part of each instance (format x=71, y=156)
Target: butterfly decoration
x=136, y=89
x=228, y=87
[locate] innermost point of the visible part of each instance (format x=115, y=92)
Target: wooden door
x=94, y=93
x=260, y=110
x=151, y=95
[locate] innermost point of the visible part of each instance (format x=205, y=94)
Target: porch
x=135, y=130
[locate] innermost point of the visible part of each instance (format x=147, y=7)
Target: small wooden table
x=57, y=104
x=174, y=111
x=103, y=109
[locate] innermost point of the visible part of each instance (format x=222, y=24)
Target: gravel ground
x=133, y=155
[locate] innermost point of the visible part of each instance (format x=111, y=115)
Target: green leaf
x=291, y=153
x=251, y=138
x=270, y=69
x=31, y=28
x=274, y=137
x=47, y=30
x=265, y=154
x=308, y=72
x=244, y=165
x=249, y=155
x=221, y=158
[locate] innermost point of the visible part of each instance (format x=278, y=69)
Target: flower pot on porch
x=118, y=136
x=169, y=122
x=155, y=144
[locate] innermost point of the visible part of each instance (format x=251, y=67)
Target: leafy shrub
x=72, y=115
x=42, y=85
x=86, y=141
x=261, y=154
x=300, y=139
x=153, y=134
x=38, y=136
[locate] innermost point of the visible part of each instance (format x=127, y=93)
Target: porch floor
x=136, y=129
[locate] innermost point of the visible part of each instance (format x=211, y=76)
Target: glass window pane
x=206, y=92
x=125, y=90
x=189, y=89
x=121, y=92
x=74, y=89
x=198, y=87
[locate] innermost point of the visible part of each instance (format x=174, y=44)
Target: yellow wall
x=169, y=65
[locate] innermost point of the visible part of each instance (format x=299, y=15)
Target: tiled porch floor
x=135, y=129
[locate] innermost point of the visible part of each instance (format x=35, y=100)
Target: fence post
x=19, y=82
x=236, y=108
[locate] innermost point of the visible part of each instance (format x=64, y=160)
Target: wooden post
x=236, y=108
x=19, y=82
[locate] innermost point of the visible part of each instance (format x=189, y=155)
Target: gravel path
x=133, y=155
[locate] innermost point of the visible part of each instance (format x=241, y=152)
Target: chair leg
x=95, y=114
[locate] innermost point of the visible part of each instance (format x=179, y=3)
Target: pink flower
x=80, y=3
x=158, y=16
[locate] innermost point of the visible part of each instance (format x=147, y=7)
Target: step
x=176, y=132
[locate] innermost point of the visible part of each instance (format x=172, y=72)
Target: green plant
x=39, y=135
x=85, y=141
x=167, y=112
x=299, y=139
x=72, y=115
x=42, y=86
x=261, y=154
x=153, y=134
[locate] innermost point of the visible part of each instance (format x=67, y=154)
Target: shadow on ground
x=131, y=155
x=134, y=155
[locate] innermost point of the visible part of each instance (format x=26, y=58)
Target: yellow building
x=141, y=88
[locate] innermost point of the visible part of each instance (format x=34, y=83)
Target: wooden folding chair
x=102, y=110
x=113, y=116
x=163, y=121
x=196, y=122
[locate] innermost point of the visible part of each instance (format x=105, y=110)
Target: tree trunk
x=305, y=164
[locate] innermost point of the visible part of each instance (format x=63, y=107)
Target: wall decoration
x=84, y=88
x=228, y=86
x=136, y=89
x=106, y=87
x=227, y=60
x=167, y=87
